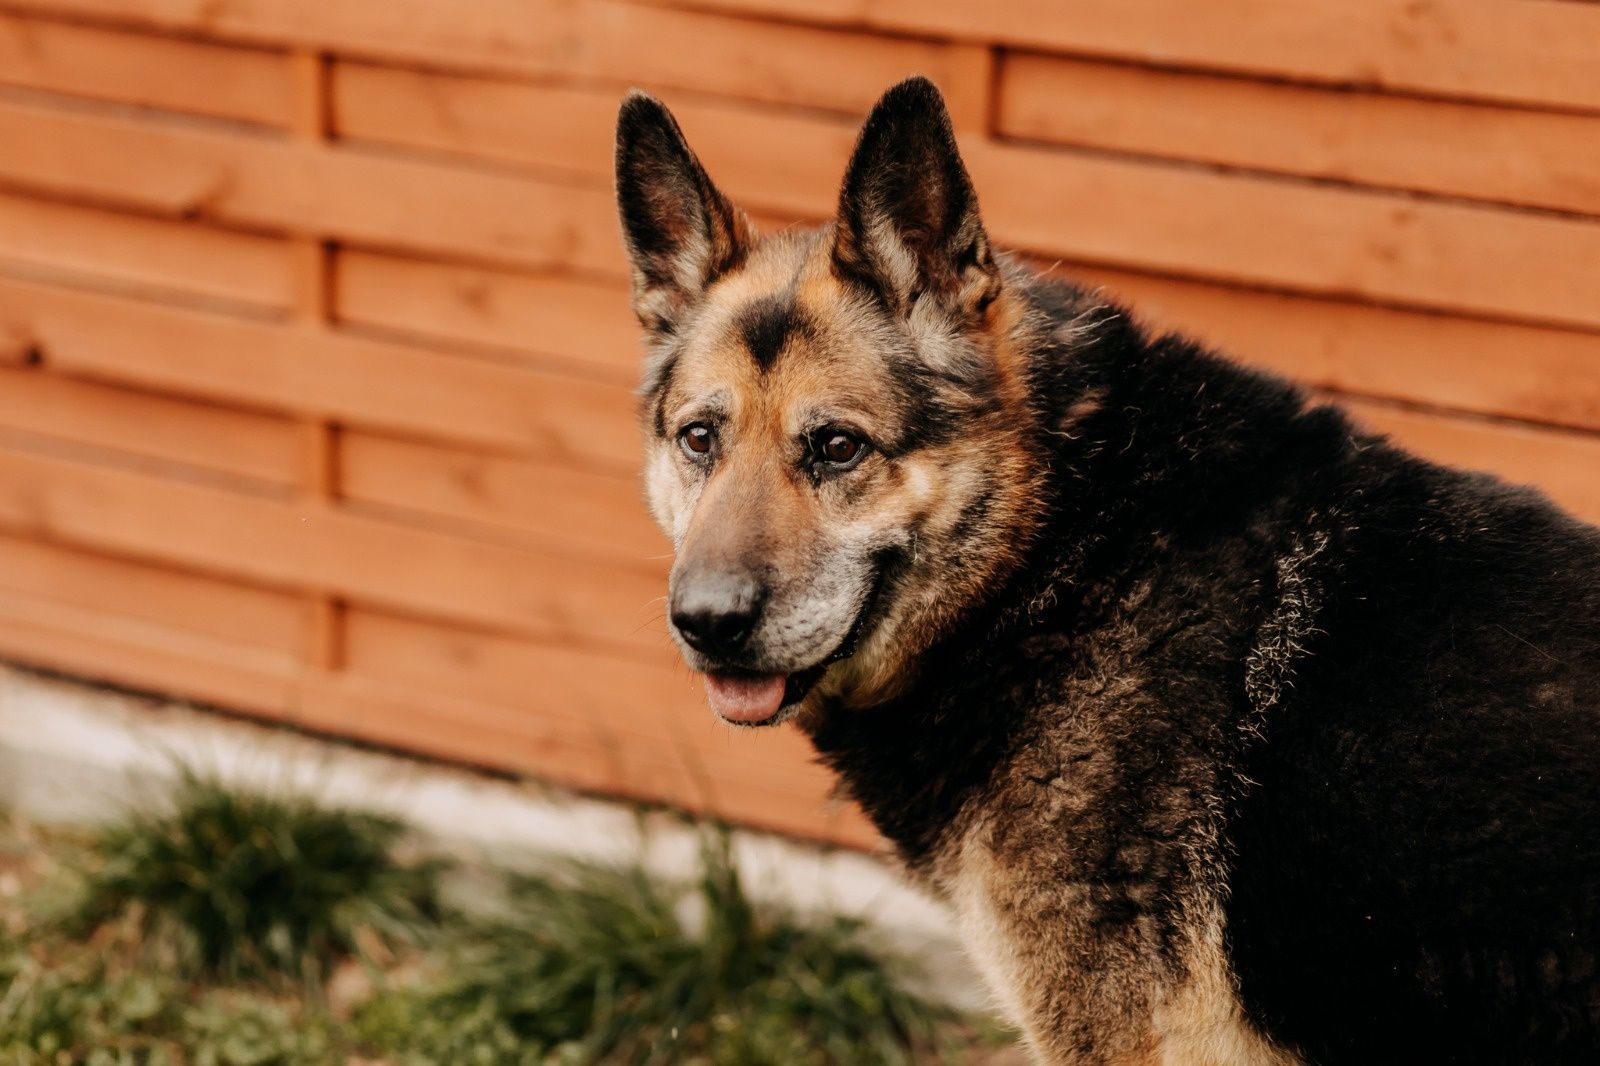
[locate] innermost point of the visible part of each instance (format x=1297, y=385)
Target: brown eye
x=696, y=439
x=837, y=448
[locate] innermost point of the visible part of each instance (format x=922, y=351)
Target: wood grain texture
x=1251, y=231
x=603, y=39
x=1532, y=52
x=1562, y=465
x=150, y=255
x=1116, y=212
x=783, y=162
x=593, y=515
x=191, y=77
x=188, y=603
x=1489, y=368
x=305, y=188
x=316, y=362
x=306, y=545
x=243, y=444
x=607, y=697
x=517, y=735
x=1243, y=228
x=350, y=379
x=577, y=324
x=1483, y=153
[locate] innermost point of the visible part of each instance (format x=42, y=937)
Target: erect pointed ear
x=908, y=216
x=681, y=232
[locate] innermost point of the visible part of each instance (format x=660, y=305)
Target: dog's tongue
x=748, y=698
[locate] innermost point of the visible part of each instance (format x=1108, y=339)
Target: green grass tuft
x=86, y=1010
x=237, y=1030
x=188, y=925
x=80, y=1013
x=608, y=966
x=240, y=885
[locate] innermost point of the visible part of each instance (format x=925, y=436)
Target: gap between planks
x=311, y=122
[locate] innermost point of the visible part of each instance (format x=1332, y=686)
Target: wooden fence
x=315, y=357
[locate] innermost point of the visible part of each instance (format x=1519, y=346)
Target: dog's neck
x=1148, y=448
x=912, y=749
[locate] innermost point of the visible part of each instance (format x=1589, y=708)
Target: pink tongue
x=745, y=697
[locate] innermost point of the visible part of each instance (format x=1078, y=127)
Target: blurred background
x=316, y=359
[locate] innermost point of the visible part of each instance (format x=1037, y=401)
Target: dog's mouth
x=745, y=697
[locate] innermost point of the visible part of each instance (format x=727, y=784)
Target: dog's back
x=1410, y=855
x=1417, y=872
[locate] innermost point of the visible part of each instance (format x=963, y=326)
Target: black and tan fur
x=1231, y=733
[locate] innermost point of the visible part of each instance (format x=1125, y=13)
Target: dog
x=1231, y=733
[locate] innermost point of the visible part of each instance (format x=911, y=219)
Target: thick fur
x=1231, y=732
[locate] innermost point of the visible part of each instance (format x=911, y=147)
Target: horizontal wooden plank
x=242, y=84
x=581, y=511
x=556, y=747
x=1535, y=52
x=630, y=705
x=233, y=613
x=239, y=443
x=323, y=374
x=309, y=545
x=101, y=646
x=585, y=325
x=1525, y=372
x=563, y=681
x=1290, y=235
x=555, y=126
x=1487, y=153
x=788, y=163
x=147, y=253
x=604, y=39
x=307, y=188
x=1564, y=465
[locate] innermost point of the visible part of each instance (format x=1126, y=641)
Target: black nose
x=717, y=612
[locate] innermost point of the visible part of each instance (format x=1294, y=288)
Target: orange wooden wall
x=315, y=357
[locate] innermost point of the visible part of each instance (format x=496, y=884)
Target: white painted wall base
x=72, y=752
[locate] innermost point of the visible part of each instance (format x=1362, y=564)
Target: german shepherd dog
x=1231, y=733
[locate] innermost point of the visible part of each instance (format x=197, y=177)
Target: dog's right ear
x=681, y=232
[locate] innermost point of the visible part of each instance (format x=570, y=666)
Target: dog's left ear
x=682, y=233
x=908, y=216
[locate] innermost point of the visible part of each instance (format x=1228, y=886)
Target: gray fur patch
x=1281, y=641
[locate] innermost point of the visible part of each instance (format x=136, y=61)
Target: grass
x=231, y=928
x=599, y=965
x=73, y=1011
x=249, y=885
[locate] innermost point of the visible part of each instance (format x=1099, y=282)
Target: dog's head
x=835, y=441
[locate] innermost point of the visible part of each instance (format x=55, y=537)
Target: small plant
x=81, y=1012
x=240, y=1030
x=237, y=885
x=185, y=921
x=610, y=966
x=87, y=1010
